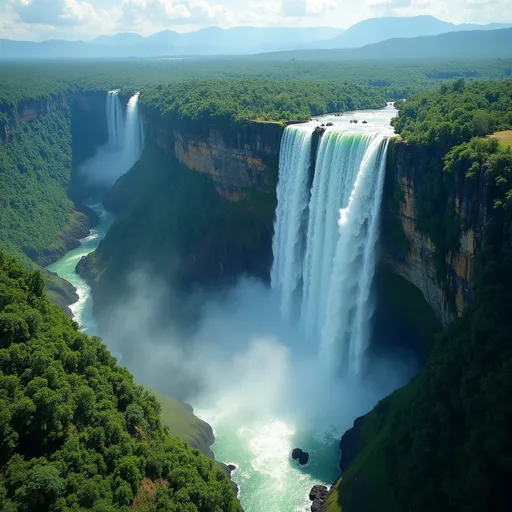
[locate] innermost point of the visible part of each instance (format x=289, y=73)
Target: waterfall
x=133, y=135
x=326, y=236
x=292, y=204
x=115, y=125
x=124, y=145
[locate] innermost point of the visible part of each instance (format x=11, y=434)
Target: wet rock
x=318, y=495
x=231, y=467
x=329, y=124
x=365, y=122
x=301, y=456
x=319, y=130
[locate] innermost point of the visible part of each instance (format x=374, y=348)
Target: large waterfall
x=124, y=145
x=133, y=133
x=326, y=234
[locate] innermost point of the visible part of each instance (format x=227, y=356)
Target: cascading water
x=115, y=124
x=133, y=135
x=291, y=214
x=124, y=145
x=325, y=270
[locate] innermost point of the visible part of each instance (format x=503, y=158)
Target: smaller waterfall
x=124, y=145
x=115, y=123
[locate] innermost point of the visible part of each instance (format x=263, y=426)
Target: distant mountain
x=255, y=40
x=215, y=40
x=376, y=30
x=124, y=39
x=474, y=44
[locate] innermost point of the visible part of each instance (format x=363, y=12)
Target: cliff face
x=409, y=252
x=29, y=111
x=237, y=158
x=44, y=224
x=83, y=103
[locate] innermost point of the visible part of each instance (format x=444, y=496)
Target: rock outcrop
x=301, y=456
x=236, y=157
x=318, y=495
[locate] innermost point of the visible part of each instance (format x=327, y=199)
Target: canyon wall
x=236, y=157
x=409, y=251
x=89, y=104
x=42, y=142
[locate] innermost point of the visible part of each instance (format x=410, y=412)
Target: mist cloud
x=239, y=358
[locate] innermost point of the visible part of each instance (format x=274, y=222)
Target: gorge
x=329, y=194
x=284, y=278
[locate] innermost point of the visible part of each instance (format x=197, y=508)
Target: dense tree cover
x=76, y=433
x=484, y=157
x=257, y=99
x=20, y=81
x=451, y=122
x=455, y=113
x=35, y=169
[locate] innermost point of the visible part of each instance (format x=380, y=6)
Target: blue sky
x=86, y=19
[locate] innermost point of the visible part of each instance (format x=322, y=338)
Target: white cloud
x=161, y=13
x=302, y=8
x=54, y=12
x=75, y=19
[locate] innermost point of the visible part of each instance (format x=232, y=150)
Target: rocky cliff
x=236, y=157
x=443, y=272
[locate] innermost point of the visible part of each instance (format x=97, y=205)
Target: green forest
x=21, y=81
x=76, y=432
x=35, y=170
x=235, y=100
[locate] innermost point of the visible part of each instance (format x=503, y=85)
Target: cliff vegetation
x=76, y=433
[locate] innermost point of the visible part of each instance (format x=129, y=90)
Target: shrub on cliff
x=75, y=431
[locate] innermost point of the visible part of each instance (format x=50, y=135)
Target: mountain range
x=242, y=40
x=474, y=44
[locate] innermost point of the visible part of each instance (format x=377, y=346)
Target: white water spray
x=326, y=238
x=124, y=145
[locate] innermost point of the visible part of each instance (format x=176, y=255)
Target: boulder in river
x=301, y=456
x=318, y=495
x=329, y=124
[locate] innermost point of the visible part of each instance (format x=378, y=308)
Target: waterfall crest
x=326, y=237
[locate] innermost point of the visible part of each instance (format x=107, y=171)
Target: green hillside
x=76, y=433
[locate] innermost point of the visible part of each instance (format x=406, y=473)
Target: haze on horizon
x=37, y=20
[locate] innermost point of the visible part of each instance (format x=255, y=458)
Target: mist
x=240, y=358
x=123, y=147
